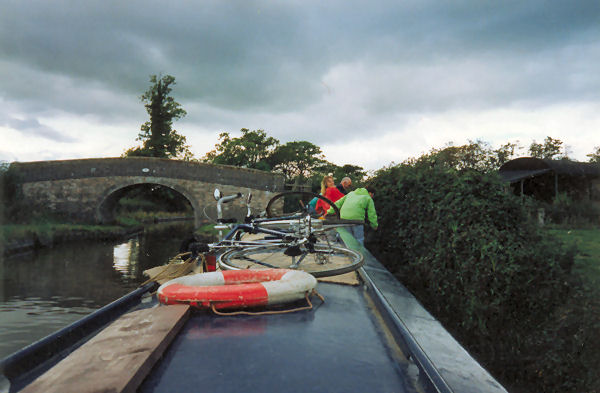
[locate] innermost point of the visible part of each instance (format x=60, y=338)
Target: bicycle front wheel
x=322, y=261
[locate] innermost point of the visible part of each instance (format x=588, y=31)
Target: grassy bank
x=46, y=233
x=16, y=237
x=141, y=217
x=587, y=259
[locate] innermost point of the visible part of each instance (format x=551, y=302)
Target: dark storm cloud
x=222, y=54
x=94, y=57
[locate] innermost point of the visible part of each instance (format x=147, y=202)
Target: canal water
x=43, y=291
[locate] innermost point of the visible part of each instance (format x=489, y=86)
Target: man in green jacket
x=354, y=206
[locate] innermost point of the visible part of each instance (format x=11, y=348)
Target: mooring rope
x=178, y=269
x=306, y=297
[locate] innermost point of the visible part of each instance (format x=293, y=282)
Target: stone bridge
x=88, y=189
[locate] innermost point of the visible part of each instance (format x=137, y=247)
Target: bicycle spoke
x=247, y=258
x=321, y=260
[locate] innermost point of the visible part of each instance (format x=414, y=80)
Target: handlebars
x=224, y=199
x=229, y=198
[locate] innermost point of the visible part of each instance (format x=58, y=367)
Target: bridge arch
x=109, y=198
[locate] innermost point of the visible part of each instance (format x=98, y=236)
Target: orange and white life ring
x=237, y=288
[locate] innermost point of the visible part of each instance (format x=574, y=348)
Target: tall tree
x=254, y=149
x=251, y=150
x=478, y=155
x=551, y=149
x=157, y=136
x=595, y=156
x=503, y=154
x=296, y=160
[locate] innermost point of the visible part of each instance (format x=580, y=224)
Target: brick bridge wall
x=87, y=189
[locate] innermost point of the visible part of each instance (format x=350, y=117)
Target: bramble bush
x=470, y=253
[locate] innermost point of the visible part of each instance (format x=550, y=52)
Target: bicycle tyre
x=339, y=259
x=329, y=224
x=306, y=196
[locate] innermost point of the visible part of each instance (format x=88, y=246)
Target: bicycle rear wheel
x=291, y=203
x=322, y=261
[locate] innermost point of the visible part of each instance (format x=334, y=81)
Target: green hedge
x=469, y=251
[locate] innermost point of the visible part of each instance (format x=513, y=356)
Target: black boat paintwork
x=23, y=366
x=444, y=365
x=336, y=347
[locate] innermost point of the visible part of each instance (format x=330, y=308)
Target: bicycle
x=289, y=237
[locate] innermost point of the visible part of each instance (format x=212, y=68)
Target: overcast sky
x=370, y=82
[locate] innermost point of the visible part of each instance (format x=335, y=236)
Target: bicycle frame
x=295, y=235
x=281, y=237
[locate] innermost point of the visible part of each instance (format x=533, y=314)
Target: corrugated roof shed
x=526, y=167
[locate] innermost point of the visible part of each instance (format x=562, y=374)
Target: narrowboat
x=368, y=334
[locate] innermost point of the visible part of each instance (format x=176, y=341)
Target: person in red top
x=329, y=191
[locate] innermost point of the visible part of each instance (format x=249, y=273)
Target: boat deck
x=338, y=346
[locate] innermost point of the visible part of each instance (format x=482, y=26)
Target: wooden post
x=522, y=181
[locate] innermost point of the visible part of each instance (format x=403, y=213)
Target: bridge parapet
x=87, y=189
x=147, y=167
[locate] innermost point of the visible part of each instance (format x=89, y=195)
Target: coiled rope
x=306, y=297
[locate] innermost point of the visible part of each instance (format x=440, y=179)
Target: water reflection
x=44, y=291
x=125, y=258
